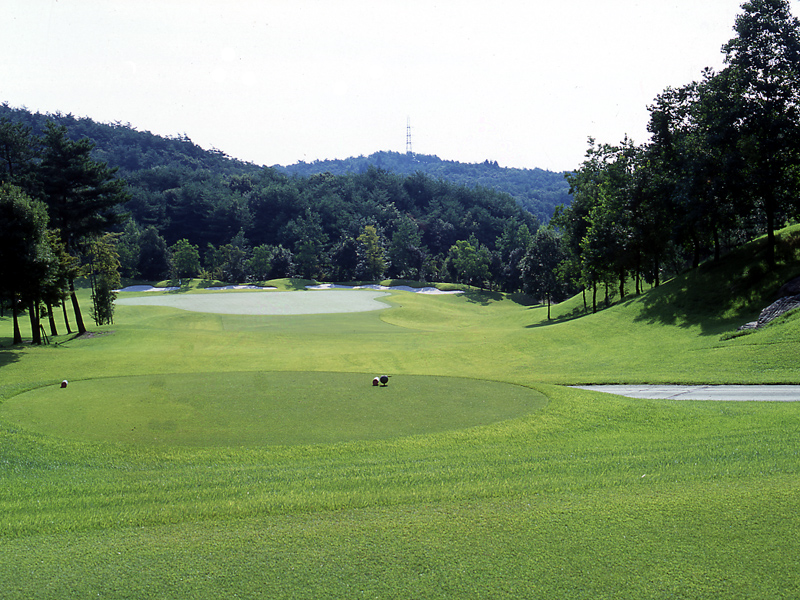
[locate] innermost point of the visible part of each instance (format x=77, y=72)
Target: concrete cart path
x=726, y=393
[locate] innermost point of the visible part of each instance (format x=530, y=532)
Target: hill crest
x=536, y=190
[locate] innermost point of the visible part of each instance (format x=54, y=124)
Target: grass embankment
x=589, y=496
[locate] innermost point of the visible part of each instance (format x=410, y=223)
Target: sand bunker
x=150, y=288
x=268, y=303
x=404, y=288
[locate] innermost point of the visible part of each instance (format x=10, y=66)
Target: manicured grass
x=590, y=496
x=263, y=408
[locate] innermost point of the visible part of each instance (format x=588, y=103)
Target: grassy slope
x=592, y=497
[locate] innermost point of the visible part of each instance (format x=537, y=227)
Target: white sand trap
x=268, y=303
x=404, y=288
x=150, y=288
x=239, y=287
x=147, y=288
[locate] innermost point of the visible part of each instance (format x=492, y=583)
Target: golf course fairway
x=207, y=455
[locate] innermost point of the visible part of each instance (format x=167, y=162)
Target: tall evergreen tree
x=82, y=195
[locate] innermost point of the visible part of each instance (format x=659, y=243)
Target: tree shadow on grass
x=486, y=297
x=717, y=296
x=183, y=285
x=575, y=313
x=9, y=355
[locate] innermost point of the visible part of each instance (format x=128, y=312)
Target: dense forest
x=536, y=190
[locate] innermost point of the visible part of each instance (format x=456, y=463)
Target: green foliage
x=405, y=254
x=470, y=261
x=539, y=266
x=16, y=153
x=536, y=190
x=103, y=271
x=260, y=263
x=185, y=259
x=153, y=263
x=720, y=169
x=81, y=193
x=371, y=262
x=207, y=198
x=27, y=258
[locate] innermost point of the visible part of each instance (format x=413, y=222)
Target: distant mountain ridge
x=536, y=190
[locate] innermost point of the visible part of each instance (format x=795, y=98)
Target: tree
x=103, y=271
x=511, y=248
x=228, y=263
x=308, y=236
x=16, y=153
x=598, y=228
x=26, y=260
x=471, y=261
x=371, y=261
x=153, y=255
x=344, y=259
x=763, y=75
x=128, y=249
x=540, y=264
x=282, y=263
x=185, y=259
x=55, y=288
x=405, y=252
x=260, y=263
x=82, y=194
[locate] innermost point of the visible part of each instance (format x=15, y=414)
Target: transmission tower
x=408, y=137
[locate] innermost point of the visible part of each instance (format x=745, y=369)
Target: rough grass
x=592, y=496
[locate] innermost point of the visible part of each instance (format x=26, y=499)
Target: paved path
x=728, y=393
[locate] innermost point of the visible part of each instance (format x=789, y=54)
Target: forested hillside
x=194, y=212
x=536, y=190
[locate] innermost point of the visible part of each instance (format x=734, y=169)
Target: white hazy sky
x=523, y=82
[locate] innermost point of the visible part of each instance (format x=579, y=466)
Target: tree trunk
x=66, y=317
x=76, y=307
x=36, y=332
x=770, y=233
x=52, y=318
x=15, y=313
x=548, y=307
x=594, y=297
x=657, y=274
x=622, y=284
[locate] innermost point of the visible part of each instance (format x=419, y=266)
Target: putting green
x=264, y=408
x=267, y=303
